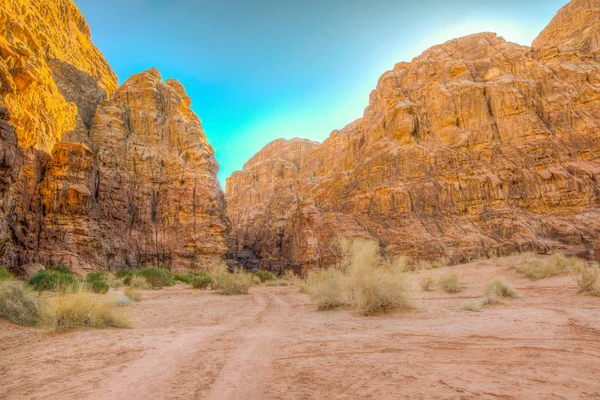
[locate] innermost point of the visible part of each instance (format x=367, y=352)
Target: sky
x=258, y=70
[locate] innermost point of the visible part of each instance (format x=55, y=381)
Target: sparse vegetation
x=442, y=262
x=74, y=309
x=5, y=275
x=238, y=282
x=498, y=289
x=474, y=306
x=265, y=276
x=449, y=283
x=57, y=279
x=157, y=278
x=586, y=277
x=132, y=293
x=426, y=282
x=363, y=280
x=139, y=282
x=185, y=278
x=326, y=288
x=96, y=282
x=558, y=264
x=18, y=304
x=201, y=281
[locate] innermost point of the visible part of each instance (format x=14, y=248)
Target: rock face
x=94, y=176
x=475, y=148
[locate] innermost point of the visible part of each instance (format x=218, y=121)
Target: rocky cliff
x=475, y=148
x=91, y=175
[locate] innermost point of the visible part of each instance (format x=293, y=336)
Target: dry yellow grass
x=362, y=280
x=132, y=293
x=449, y=283
x=81, y=309
x=586, y=277
x=535, y=269
x=18, y=304
x=139, y=282
x=473, y=306
x=326, y=288
x=498, y=289
x=238, y=282
x=426, y=282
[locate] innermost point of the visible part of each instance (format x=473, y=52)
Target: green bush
x=265, y=276
x=61, y=268
x=185, y=278
x=5, y=275
x=157, y=277
x=124, y=273
x=17, y=304
x=201, y=281
x=96, y=282
x=52, y=279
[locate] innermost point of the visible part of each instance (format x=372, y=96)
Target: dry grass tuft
x=426, y=282
x=139, y=282
x=450, y=283
x=238, y=282
x=362, y=280
x=474, y=306
x=586, y=277
x=18, y=304
x=558, y=264
x=133, y=294
x=326, y=288
x=71, y=309
x=498, y=289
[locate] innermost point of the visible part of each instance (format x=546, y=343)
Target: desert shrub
x=113, y=281
x=61, y=268
x=96, y=282
x=374, y=290
x=139, y=282
x=364, y=280
x=5, y=275
x=185, y=278
x=558, y=264
x=426, y=282
x=201, y=281
x=156, y=277
x=473, y=306
x=442, y=262
x=326, y=288
x=278, y=282
x=18, y=304
x=132, y=293
x=238, y=282
x=74, y=309
x=53, y=279
x=449, y=283
x=124, y=273
x=498, y=289
x=586, y=277
x=265, y=276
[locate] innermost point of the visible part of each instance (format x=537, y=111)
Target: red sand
x=272, y=344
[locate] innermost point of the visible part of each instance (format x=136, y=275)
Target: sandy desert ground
x=272, y=344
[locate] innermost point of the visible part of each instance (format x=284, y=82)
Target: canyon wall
x=477, y=147
x=95, y=176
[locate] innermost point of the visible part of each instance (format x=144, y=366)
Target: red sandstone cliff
x=477, y=147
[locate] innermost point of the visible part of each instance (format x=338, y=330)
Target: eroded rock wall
x=477, y=147
x=94, y=176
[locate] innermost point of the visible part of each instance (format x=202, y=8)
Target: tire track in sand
x=243, y=376
x=146, y=376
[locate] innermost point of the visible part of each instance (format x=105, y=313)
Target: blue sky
x=258, y=70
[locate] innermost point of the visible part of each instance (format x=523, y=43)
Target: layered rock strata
x=94, y=176
x=477, y=147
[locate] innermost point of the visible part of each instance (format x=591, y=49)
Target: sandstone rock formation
x=93, y=176
x=477, y=147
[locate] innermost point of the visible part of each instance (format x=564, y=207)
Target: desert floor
x=272, y=344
